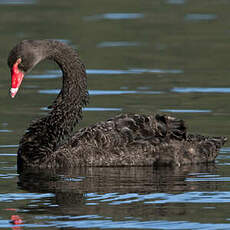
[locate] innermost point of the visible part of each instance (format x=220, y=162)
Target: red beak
x=16, y=78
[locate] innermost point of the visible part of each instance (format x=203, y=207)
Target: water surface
x=165, y=56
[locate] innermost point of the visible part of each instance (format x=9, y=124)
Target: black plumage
x=125, y=140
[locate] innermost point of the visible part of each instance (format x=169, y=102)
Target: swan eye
x=20, y=64
x=16, y=65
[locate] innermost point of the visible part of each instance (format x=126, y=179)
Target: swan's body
x=125, y=140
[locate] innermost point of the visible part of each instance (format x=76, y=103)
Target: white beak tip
x=13, y=92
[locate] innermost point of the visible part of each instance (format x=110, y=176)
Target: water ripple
x=17, y=2
x=199, y=90
x=198, y=177
x=133, y=224
x=118, y=44
x=5, y=131
x=68, y=217
x=115, y=16
x=193, y=197
x=226, y=179
x=176, y=1
x=199, y=17
x=225, y=150
x=186, y=110
x=101, y=109
x=57, y=73
x=43, y=76
x=9, y=146
x=91, y=109
x=104, y=92
x=7, y=176
x=9, y=197
x=8, y=154
x=161, y=198
x=53, y=74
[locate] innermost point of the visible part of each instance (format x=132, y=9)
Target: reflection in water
x=140, y=196
x=110, y=182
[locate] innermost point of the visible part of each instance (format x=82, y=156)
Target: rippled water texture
x=165, y=56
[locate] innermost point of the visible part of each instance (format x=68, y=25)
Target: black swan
x=125, y=140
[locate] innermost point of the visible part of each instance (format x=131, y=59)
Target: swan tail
x=218, y=142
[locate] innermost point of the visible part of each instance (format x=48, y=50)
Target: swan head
x=22, y=58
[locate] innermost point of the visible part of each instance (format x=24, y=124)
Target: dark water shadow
x=125, y=197
x=71, y=186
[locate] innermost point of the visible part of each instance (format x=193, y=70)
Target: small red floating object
x=10, y=209
x=15, y=219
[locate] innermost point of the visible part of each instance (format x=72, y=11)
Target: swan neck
x=46, y=135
